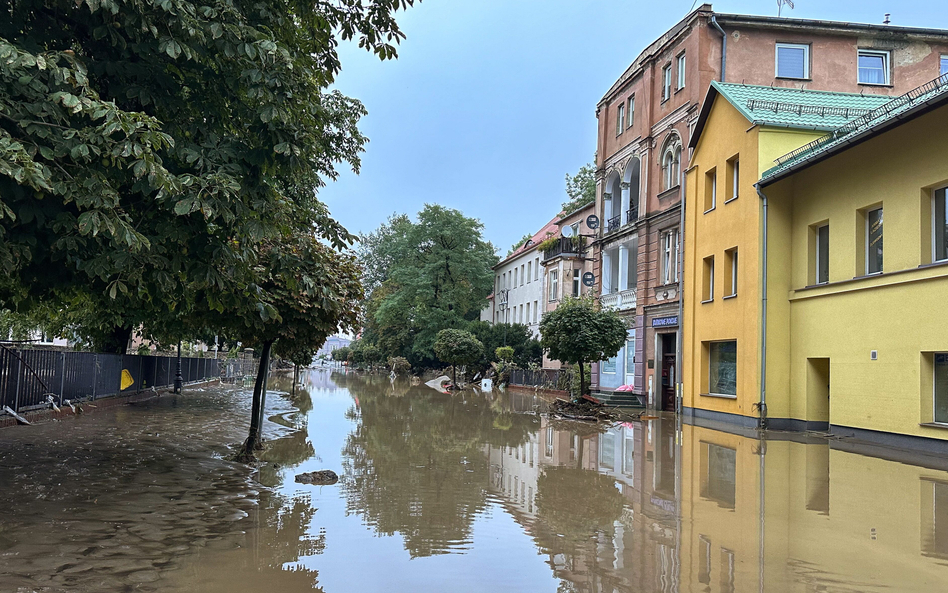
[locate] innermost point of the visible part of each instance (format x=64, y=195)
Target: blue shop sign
x=665, y=321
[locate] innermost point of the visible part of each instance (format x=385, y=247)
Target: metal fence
x=544, y=379
x=29, y=377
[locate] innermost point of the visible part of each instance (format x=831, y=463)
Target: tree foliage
x=519, y=243
x=578, y=331
x=458, y=347
x=581, y=188
x=428, y=275
x=527, y=349
x=148, y=149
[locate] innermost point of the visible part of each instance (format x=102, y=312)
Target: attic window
x=793, y=60
x=873, y=67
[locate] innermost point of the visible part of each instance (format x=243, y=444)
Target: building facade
x=646, y=120
x=820, y=323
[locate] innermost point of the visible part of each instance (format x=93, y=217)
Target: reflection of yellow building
x=854, y=335
x=821, y=519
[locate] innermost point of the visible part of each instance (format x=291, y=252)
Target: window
x=873, y=67
x=666, y=82
x=731, y=255
x=620, y=119
x=710, y=190
x=681, y=71
x=553, y=285
x=670, y=257
x=934, y=505
x=522, y=319
x=631, y=111
x=941, y=387
x=940, y=225
x=944, y=65
x=874, y=241
x=536, y=310
x=733, y=180
x=514, y=283
x=671, y=165
x=630, y=356
x=527, y=318
x=529, y=272
x=549, y=441
x=521, y=274
x=727, y=570
x=704, y=560
x=707, y=290
x=609, y=366
x=821, y=257
x=576, y=283
x=793, y=60
x=722, y=368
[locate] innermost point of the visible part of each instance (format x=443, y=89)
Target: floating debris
x=325, y=477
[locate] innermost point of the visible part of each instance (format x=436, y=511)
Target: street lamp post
x=178, y=379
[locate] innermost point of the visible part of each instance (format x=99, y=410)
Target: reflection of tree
x=574, y=504
x=415, y=464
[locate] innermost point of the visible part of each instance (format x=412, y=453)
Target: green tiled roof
x=796, y=108
x=880, y=118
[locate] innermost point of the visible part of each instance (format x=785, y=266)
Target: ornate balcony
x=620, y=301
x=631, y=215
x=614, y=223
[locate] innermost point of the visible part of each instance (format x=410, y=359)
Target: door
x=668, y=382
x=818, y=393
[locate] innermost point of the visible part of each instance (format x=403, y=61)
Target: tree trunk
x=582, y=379
x=263, y=402
x=296, y=374
x=117, y=341
x=259, y=399
x=454, y=371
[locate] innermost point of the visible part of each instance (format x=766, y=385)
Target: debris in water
x=325, y=477
x=19, y=418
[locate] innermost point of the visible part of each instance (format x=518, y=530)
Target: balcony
x=631, y=215
x=619, y=301
x=614, y=223
x=562, y=247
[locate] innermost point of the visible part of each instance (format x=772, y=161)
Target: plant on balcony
x=577, y=242
x=548, y=244
x=578, y=331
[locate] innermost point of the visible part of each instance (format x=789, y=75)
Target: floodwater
x=460, y=493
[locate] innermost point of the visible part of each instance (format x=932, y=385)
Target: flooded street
x=462, y=493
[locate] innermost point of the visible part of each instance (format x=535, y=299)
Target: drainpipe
x=714, y=23
x=679, y=395
x=762, y=404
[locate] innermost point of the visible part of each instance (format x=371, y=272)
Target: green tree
x=527, y=349
x=578, y=331
x=519, y=243
x=581, y=188
x=456, y=346
x=149, y=149
x=341, y=354
x=428, y=275
x=504, y=353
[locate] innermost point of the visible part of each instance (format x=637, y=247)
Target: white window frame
x=620, y=119
x=681, y=71
x=943, y=64
x=711, y=281
x=886, y=64
x=714, y=191
x=536, y=311
x=536, y=269
x=734, y=264
x=944, y=193
x=630, y=111
x=868, y=212
x=577, y=283
x=666, y=82
x=806, y=59
x=671, y=166
x=670, y=256
x=554, y=282
x=529, y=272
x=522, y=267
x=819, y=253
x=735, y=180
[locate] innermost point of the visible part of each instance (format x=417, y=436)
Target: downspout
x=714, y=23
x=679, y=394
x=762, y=404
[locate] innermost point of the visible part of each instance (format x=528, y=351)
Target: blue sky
x=492, y=102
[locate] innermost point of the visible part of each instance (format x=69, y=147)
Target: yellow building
x=852, y=324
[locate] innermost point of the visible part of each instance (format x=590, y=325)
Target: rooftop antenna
x=886, y=21
x=780, y=4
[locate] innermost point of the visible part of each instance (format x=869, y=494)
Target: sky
x=492, y=102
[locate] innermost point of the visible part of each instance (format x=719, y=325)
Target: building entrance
x=669, y=372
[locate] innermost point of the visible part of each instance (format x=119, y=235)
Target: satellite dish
x=589, y=279
x=592, y=221
x=567, y=231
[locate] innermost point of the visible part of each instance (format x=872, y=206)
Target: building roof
x=892, y=113
x=550, y=228
x=788, y=107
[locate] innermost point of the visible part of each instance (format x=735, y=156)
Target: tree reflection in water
x=415, y=464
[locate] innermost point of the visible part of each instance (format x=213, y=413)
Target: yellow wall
x=900, y=314
x=731, y=224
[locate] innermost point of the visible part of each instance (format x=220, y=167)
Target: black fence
x=544, y=379
x=29, y=378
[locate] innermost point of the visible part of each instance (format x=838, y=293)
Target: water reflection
x=463, y=492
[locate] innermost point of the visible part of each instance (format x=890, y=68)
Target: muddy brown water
x=467, y=492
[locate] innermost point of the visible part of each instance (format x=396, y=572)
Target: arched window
x=671, y=165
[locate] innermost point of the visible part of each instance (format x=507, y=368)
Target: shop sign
x=671, y=321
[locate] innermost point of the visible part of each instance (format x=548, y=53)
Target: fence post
x=19, y=373
x=95, y=374
x=62, y=379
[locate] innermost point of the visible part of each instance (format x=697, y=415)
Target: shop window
x=722, y=368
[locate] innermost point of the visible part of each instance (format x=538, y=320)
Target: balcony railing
x=614, y=223
x=564, y=247
x=620, y=301
x=631, y=215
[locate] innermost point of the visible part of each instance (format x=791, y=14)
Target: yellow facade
x=856, y=352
